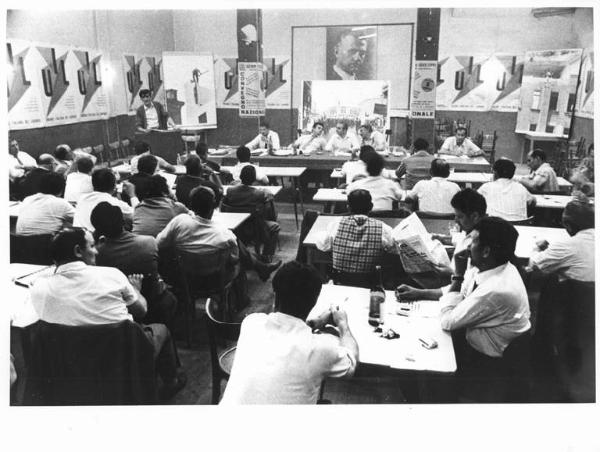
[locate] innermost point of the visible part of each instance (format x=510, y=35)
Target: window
x=549, y=129
x=571, y=103
x=553, y=101
x=532, y=127
x=535, y=103
x=566, y=130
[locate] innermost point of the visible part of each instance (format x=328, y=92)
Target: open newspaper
x=415, y=247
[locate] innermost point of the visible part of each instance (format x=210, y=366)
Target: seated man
x=278, y=359
x=341, y=142
x=79, y=293
x=416, y=166
x=435, y=195
x=147, y=165
x=356, y=169
x=197, y=173
x=459, y=145
x=104, y=183
x=357, y=241
x=142, y=148
x=65, y=158
x=306, y=144
x=45, y=212
x=79, y=182
x=18, y=161
x=373, y=138
x=30, y=183
x=132, y=254
x=505, y=197
x=383, y=191
x=202, y=152
x=155, y=211
x=573, y=258
x=243, y=156
x=151, y=115
x=199, y=233
x=542, y=177
x=266, y=138
x=256, y=200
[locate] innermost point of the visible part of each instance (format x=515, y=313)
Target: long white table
x=528, y=235
x=405, y=352
x=19, y=303
x=273, y=189
x=230, y=220
x=554, y=201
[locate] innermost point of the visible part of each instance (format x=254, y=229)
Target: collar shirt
x=77, y=185
x=544, y=178
x=506, y=198
x=492, y=306
x=43, y=214
x=309, y=143
x=416, y=167
x=279, y=360
x=263, y=143
x=80, y=294
x=161, y=163
x=377, y=140
x=354, y=168
x=343, y=145
x=573, y=258
x=151, y=117
x=14, y=164
x=467, y=148
x=152, y=215
x=342, y=74
x=261, y=177
x=88, y=201
x=383, y=191
x=434, y=195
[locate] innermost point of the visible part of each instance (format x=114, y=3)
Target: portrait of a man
x=350, y=53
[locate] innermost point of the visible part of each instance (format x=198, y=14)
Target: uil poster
x=585, y=95
x=142, y=72
x=91, y=96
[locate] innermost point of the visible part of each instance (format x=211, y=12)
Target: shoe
x=167, y=392
x=264, y=271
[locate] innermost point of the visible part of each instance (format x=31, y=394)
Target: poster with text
x=142, y=72
x=585, y=95
x=90, y=95
x=189, y=84
x=422, y=104
x=25, y=109
x=251, y=87
x=505, y=72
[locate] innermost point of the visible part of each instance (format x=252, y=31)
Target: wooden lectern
x=164, y=143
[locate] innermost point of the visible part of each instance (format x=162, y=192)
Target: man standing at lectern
x=151, y=115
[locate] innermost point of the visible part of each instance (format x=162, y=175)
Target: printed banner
x=422, y=104
x=585, y=95
x=189, y=84
x=276, y=80
x=51, y=85
x=548, y=91
x=251, y=87
x=142, y=72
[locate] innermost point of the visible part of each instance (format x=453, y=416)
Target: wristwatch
x=457, y=278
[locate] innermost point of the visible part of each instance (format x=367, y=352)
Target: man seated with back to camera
x=435, y=194
x=132, y=254
x=80, y=293
x=30, y=183
x=79, y=181
x=142, y=148
x=243, y=156
x=146, y=165
x=256, y=200
x=279, y=359
x=417, y=166
x=157, y=208
x=356, y=169
x=202, y=152
x=196, y=173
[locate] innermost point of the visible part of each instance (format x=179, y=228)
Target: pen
x=405, y=309
x=19, y=283
x=404, y=314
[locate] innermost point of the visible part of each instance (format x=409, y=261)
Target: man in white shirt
x=356, y=169
x=151, y=115
x=371, y=137
x=434, y=195
x=542, y=177
x=142, y=148
x=279, y=359
x=573, y=258
x=243, y=156
x=18, y=161
x=306, y=144
x=45, y=212
x=266, y=139
x=460, y=145
x=104, y=184
x=341, y=142
x=505, y=197
x=384, y=192
x=79, y=182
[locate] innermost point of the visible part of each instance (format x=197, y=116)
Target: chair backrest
x=30, y=249
x=89, y=365
x=309, y=218
x=222, y=329
x=525, y=222
x=395, y=213
x=207, y=270
x=435, y=215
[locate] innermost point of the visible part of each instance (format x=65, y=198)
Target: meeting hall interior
x=291, y=206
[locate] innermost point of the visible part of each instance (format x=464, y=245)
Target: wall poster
x=422, y=104
x=585, y=95
x=251, y=88
x=142, y=72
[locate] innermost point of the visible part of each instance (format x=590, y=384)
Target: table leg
x=295, y=187
x=309, y=255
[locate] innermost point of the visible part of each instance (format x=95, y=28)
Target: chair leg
x=216, y=390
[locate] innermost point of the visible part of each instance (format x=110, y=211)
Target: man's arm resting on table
x=340, y=319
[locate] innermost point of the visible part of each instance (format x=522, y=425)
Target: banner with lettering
x=251, y=87
x=585, y=95
x=142, y=72
x=90, y=94
x=422, y=104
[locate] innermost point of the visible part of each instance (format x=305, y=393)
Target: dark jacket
x=140, y=116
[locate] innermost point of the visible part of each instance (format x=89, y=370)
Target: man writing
x=266, y=139
x=459, y=145
x=542, y=177
x=151, y=115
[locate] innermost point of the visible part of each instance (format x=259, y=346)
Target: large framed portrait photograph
x=351, y=53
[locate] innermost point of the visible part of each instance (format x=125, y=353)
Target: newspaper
x=414, y=245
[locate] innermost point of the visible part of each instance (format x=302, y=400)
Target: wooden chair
x=434, y=215
x=30, y=249
x=125, y=149
x=190, y=142
x=220, y=332
x=101, y=154
x=488, y=146
x=113, y=151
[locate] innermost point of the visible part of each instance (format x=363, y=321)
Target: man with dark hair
x=278, y=359
x=196, y=173
x=266, y=138
x=45, y=212
x=357, y=241
x=370, y=137
x=573, y=258
x=146, y=165
x=260, y=203
x=199, y=233
x=151, y=115
x=243, y=156
x=505, y=197
x=416, y=166
x=30, y=183
x=434, y=195
x=542, y=177
x=459, y=145
x=156, y=209
x=104, y=183
x=79, y=293
x=202, y=152
x=80, y=181
x=341, y=142
x=357, y=169
x=142, y=149
x=132, y=254
x=306, y=144
x=64, y=157
x=384, y=192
